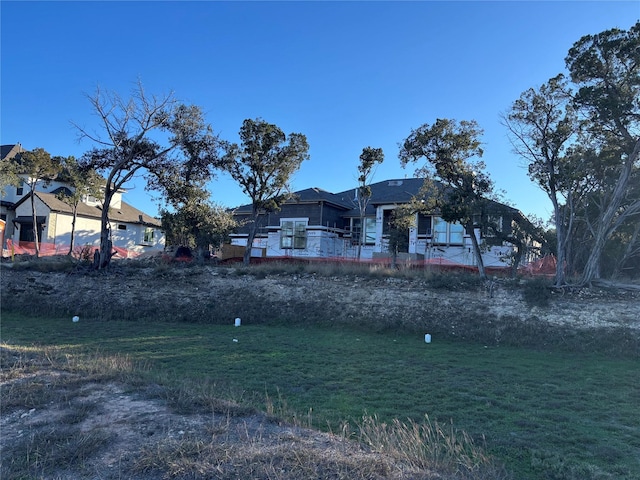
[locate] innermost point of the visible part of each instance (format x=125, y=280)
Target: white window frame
x=145, y=238
x=370, y=230
x=446, y=233
x=293, y=233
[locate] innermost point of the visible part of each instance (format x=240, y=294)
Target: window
x=20, y=188
x=424, y=224
x=369, y=233
x=148, y=235
x=122, y=226
x=293, y=234
x=447, y=233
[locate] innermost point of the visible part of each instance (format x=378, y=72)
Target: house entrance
x=26, y=228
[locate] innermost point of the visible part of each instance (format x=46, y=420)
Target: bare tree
x=127, y=145
x=542, y=124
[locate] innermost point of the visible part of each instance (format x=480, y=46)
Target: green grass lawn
x=545, y=414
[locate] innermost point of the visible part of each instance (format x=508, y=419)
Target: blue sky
x=346, y=74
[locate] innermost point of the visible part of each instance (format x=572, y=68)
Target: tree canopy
x=39, y=168
x=128, y=143
x=450, y=149
x=581, y=138
x=263, y=165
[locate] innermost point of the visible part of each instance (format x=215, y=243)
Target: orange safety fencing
x=50, y=249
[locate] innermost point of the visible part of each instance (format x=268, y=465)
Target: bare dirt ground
x=103, y=430
x=65, y=434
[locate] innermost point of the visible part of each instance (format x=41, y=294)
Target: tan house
x=132, y=231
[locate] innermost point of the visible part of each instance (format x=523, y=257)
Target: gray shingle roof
x=125, y=214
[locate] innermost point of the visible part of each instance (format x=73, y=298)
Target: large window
x=293, y=233
x=369, y=232
x=149, y=234
x=445, y=233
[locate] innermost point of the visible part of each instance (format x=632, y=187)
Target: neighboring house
x=319, y=224
x=10, y=194
x=131, y=229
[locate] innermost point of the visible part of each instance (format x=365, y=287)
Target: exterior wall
x=326, y=242
x=87, y=232
x=133, y=237
x=42, y=210
x=11, y=191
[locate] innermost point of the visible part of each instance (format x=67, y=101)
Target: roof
x=386, y=192
x=10, y=151
x=308, y=195
x=125, y=214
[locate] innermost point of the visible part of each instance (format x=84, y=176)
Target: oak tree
x=138, y=136
x=82, y=183
x=39, y=168
x=450, y=149
x=263, y=165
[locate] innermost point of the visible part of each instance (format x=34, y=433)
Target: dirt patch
x=218, y=295
x=78, y=427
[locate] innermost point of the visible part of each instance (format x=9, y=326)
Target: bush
x=537, y=292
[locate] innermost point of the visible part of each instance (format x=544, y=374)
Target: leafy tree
x=193, y=221
x=449, y=147
x=520, y=234
x=8, y=174
x=582, y=141
x=369, y=158
x=39, y=168
x=263, y=165
x=83, y=183
x=199, y=225
x=127, y=145
x=542, y=124
x=401, y=220
x=605, y=69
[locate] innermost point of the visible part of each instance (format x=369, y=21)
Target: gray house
x=315, y=223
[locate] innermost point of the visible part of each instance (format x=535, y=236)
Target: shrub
x=537, y=292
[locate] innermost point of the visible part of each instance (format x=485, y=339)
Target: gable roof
x=386, y=192
x=10, y=151
x=125, y=214
x=308, y=195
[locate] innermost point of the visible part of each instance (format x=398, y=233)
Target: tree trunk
x=476, y=252
x=517, y=258
x=105, y=242
x=362, y=233
x=607, y=224
x=628, y=252
x=73, y=228
x=35, y=221
x=253, y=228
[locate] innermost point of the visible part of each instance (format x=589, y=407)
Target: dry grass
x=49, y=406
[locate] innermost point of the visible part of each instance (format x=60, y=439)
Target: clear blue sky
x=346, y=74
